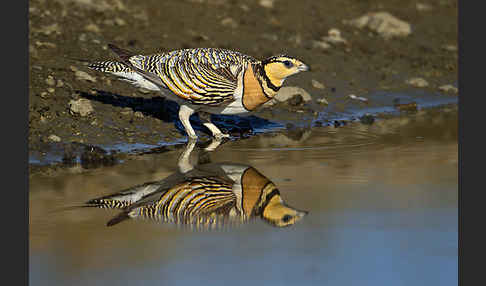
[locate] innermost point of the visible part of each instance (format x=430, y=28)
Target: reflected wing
x=185, y=202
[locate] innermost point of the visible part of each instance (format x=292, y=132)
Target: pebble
x=383, y=23
x=54, y=138
x=270, y=37
x=352, y=96
x=317, y=84
x=92, y=28
x=229, y=22
x=51, y=90
x=138, y=114
x=287, y=92
x=334, y=37
x=450, y=48
x=50, y=29
x=81, y=106
x=81, y=75
x=244, y=7
x=266, y=3
x=417, y=82
x=422, y=7
x=82, y=37
x=322, y=100
x=120, y=22
x=448, y=88
x=50, y=81
x=45, y=44
x=59, y=83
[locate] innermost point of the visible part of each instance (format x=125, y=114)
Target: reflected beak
x=303, y=67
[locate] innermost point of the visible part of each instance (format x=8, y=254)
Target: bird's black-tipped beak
x=304, y=67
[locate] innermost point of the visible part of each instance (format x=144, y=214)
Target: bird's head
x=278, y=68
x=277, y=213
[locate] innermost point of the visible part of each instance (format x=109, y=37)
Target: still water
x=354, y=205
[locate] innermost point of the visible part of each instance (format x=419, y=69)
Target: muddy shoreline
x=395, y=75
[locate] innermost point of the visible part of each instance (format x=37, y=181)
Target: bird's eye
x=286, y=218
x=287, y=64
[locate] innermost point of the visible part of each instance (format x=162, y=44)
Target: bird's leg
x=213, y=145
x=205, y=118
x=184, y=113
x=184, y=163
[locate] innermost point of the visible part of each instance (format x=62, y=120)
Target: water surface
x=381, y=202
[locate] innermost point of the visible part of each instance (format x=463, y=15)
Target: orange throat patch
x=253, y=95
x=253, y=183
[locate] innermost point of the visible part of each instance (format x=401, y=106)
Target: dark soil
x=63, y=30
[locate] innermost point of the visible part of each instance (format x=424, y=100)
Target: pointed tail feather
x=119, y=218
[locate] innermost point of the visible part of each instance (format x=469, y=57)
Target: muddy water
x=381, y=202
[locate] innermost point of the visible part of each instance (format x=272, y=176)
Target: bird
x=205, y=196
x=204, y=80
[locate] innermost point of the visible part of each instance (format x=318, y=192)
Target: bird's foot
x=219, y=136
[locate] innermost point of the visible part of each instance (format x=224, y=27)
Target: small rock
x=50, y=29
x=81, y=106
x=54, y=138
x=270, y=37
x=92, y=28
x=448, y=88
x=244, y=7
x=383, y=23
x=50, y=81
x=45, y=44
x=229, y=22
x=422, y=7
x=317, y=84
x=352, y=96
x=120, y=22
x=450, y=48
x=43, y=95
x=417, y=82
x=322, y=100
x=59, y=83
x=320, y=45
x=266, y=3
x=138, y=114
x=81, y=75
x=287, y=92
x=51, y=90
x=334, y=37
x=82, y=37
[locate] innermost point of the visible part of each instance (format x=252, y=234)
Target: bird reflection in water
x=203, y=196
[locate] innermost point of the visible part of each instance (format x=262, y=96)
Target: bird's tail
x=119, y=218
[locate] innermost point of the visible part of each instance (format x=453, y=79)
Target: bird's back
x=202, y=76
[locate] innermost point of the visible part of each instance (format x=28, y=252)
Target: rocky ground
x=355, y=49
